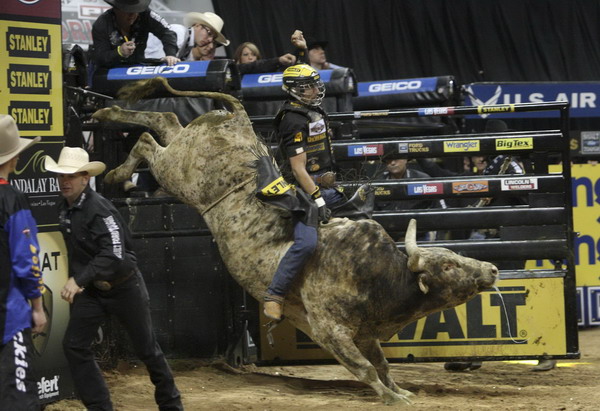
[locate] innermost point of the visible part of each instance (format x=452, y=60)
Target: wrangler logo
x=460, y=146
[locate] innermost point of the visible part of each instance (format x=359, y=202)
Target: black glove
x=324, y=212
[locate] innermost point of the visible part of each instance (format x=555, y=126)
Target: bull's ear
x=424, y=287
x=415, y=263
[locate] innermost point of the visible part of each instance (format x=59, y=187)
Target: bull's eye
x=448, y=267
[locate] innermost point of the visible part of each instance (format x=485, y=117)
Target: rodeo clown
x=305, y=143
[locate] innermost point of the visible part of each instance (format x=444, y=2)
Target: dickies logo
x=365, y=150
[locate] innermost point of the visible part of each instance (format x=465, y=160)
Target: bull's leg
x=166, y=125
x=144, y=149
x=371, y=349
x=337, y=340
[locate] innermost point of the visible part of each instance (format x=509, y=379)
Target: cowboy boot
x=273, y=306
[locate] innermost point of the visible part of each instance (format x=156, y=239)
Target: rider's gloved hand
x=324, y=212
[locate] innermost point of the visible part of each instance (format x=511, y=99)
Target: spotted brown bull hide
x=356, y=290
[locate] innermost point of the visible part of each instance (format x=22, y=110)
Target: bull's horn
x=410, y=239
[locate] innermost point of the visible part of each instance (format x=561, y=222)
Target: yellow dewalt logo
x=275, y=188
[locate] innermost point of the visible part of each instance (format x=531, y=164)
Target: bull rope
x=231, y=190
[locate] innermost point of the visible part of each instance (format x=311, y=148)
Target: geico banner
x=583, y=98
x=183, y=69
x=586, y=209
x=275, y=79
x=381, y=88
x=525, y=319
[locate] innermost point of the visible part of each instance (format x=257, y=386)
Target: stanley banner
x=525, y=319
x=31, y=92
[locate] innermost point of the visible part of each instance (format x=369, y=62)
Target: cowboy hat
x=74, y=160
x=130, y=6
x=213, y=21
x=311, y=43
x=10, y=142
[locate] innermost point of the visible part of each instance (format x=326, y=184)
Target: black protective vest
x=319, y=153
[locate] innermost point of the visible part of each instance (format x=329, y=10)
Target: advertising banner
x=586, y=223
x=582, y=96
x=31, y=89
x=526, y=318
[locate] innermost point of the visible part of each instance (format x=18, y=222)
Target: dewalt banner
x=31, y=92
x=525, y=319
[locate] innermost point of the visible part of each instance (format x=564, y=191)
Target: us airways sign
x=584, y=98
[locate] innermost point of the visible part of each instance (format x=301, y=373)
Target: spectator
x=316, y=55
x=249, y=60
x=203, y=36
x=20, y=280
x=120, y=34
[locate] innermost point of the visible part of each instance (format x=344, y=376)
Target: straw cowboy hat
x=10, y=142
x=213, y=21
x=130, y=6
x=74, y=160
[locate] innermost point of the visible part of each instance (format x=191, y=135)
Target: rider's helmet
x=304, y=84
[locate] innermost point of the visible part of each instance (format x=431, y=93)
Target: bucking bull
x=357, y=289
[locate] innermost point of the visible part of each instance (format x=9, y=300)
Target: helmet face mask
x=304, y=84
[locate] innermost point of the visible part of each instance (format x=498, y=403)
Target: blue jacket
x=20, y=275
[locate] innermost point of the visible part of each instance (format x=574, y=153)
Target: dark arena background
x=419, y=79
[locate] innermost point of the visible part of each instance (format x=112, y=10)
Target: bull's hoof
x=113, y=177
x=395, y=398
x=544, y=365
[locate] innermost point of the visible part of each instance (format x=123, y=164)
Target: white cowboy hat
x=74, y=160
x=130, y=6
x=213, y=21
x=10, y=142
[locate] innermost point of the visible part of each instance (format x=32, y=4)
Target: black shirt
x=97, y=238
x=107, y=38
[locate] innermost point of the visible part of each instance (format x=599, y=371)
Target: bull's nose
x=494, y=270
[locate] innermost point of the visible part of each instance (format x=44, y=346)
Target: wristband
x=316, y=194
x=119, y=51
x=319, y=202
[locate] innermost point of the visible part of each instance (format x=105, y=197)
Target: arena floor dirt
x=573, y=385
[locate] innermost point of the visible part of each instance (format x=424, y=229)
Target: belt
x=108, y=285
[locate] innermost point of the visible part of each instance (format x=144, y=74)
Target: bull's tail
x=143, y=88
